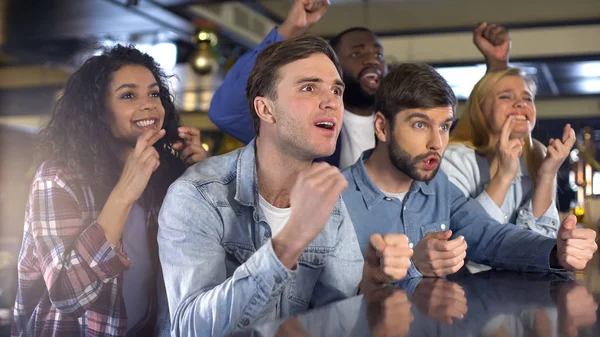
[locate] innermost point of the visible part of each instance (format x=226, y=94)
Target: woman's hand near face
x=508, y=152
x=558, y=151
x=191, y=149
x=139, y=166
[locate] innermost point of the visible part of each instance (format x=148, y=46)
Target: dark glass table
x=491, y=304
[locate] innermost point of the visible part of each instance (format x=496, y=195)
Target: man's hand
x=440, y=299
x=574, y=246
x=387, y=260
x=493, y=41
x=436, y=256
x=312, y=199
x=302, y=15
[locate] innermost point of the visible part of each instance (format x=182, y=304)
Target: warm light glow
x=206, y=147
x=580, y=173
x=203, y=36
x=578, y=211
x=588, y=180
x=189, y=101
x=201, y=61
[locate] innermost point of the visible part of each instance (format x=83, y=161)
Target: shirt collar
x=371, y=194
x=247, y=180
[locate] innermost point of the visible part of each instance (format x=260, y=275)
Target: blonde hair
x=473, y=131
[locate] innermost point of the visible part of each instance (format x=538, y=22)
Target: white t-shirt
x=276, y=217
x=357, y=136
x=399, y=196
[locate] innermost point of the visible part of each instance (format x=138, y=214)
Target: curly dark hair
x=78, y=135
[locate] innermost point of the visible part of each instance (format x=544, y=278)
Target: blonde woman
x=492, y=157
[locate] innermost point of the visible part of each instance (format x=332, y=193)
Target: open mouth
x=327, y=125
x=370, y=80
x=146, y=123
x=519, y=117
x=431, y=162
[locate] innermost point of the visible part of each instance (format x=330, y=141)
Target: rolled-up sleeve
x=546, y=225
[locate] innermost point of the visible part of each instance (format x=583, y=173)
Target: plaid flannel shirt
x=69, y=274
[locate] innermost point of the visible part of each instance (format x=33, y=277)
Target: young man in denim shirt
x=262, y=232
x=396, y=188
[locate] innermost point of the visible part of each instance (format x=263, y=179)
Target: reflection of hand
x=542, y=325
x=388, y=312
x=576, y=308
x=291, y=327
x=440, y=299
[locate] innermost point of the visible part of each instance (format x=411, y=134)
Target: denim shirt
x=220, y=270
x=436, y=206
x=470, y=172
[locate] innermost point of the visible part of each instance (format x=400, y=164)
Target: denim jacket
x=436, y=206
x=220, y=270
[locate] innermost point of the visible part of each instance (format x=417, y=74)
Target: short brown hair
x=413, y=86
x=265, y=74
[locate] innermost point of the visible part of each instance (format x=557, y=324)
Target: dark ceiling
x=56, y=31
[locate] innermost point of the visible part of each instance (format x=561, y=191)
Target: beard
x=355, y=95
x=407, y=164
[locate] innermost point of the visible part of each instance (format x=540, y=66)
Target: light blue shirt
x=436, y=206
x=470, y=172
x=220, y=270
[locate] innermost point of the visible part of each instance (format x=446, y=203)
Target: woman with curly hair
x=89, y=265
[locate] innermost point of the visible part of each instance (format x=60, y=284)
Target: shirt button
x=443, y=226
x=267, y=234
x=387, y=198
x=245, y=322
x=410, y=245
x=277, y=279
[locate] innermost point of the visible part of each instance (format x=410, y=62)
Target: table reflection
x=489, y=304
